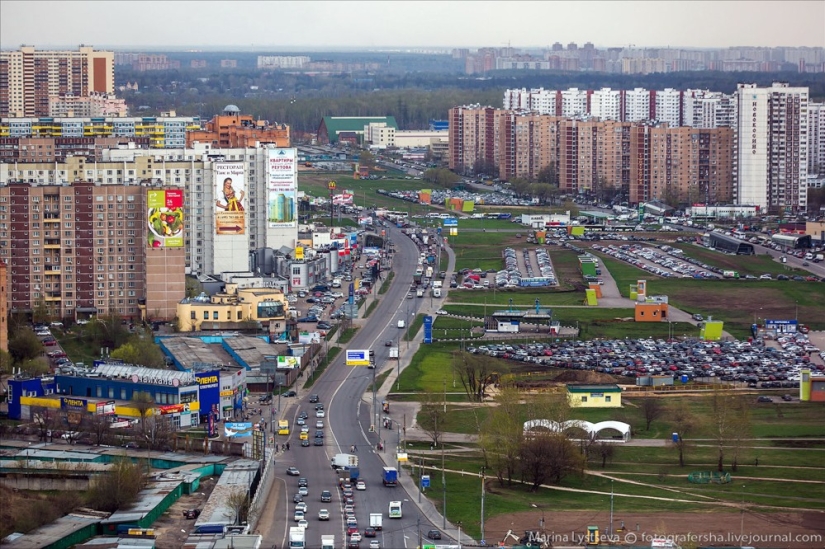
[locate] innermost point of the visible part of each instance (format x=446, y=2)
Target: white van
x=402, y=324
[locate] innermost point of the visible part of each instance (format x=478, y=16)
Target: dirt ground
x=797, y=530
x=172, y=529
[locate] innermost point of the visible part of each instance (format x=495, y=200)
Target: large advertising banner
x=164, y=218
x=282, y=168
x=208, y=390
x=230, y=193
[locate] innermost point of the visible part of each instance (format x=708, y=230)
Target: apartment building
x=233, y=130
x=606, y=104
x=637, y=105
x=472, y=137
x=162, y=131
x=816, y=139
x=575, y=103
x=81, y=249
x=667, y=107
x=29, y=77
x=4, y=306
x=772, y=147
x=49, y=149
x=93, y=105
x=201, y=173
x=707, y=109
x=526, y=143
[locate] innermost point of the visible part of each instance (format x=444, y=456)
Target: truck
x=344, y=460
x=818, y=258
x=327, y=542
x=390, y=476
x=354, y=473
x=419, y=292
x=394, y=509
x=429, y=272
x=297, y=537
x=394, y=352
x=376, y=520
x=436, y=292
x=730, y=274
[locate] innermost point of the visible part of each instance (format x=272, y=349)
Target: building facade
x=29, y=77
x=816, y=139
x=233, y=130
x=772, y=147
x=472, y=137
x=92, y=105
x=57, y=149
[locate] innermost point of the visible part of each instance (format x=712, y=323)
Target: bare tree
x=549, y=457
x=118, y=487
x=99, y=427
x=240, y=504
x=143, y=402
x=432, y=416
x=652, y=409
x=729, y=422
x=503, y=433
x=476, y=372
x=685, y=422
x=604, y=450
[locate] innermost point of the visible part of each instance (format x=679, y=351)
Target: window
x=215, y=315
x=607, y=398
x=206, y=315
x=584, y=399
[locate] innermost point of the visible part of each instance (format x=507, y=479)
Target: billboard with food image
x=164, y=218
x=230, y=195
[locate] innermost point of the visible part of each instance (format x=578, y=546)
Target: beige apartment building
x=29, y=77
x=81, y=249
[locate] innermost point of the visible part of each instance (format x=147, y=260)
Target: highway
x=347, y=422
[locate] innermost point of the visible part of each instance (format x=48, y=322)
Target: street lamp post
x=482, y=505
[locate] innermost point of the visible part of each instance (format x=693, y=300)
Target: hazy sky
x=333, y=24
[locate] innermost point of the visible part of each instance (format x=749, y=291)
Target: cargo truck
x=376, y=521
x=297, y=537
x=327, y=542
x=393, y=352
x=390, y=476
x=354, y=473
x=344, y=460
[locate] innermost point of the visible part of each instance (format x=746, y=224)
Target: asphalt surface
x=348, y=419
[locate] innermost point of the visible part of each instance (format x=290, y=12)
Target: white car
x=374, y=544
x=361, y=485
x=355, y=536
x=320, y=413
x=323, y=514
x=303, y=524
x=299, y=515
x=441, y=312
x=303, y=491
x=320, y=424
x=302, y=507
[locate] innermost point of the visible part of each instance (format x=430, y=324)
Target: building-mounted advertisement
x=282, y=173
x=287, y=362
x=230, y=195
x=165, y=218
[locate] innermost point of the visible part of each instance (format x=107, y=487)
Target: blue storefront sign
x=209, y=391
x=428, y=329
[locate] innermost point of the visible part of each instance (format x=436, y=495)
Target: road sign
x=425, y=481
x=428, y=329
x=358, y=357
x=450, y=222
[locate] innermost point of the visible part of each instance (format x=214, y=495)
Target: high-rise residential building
x=525, y=143
x=637, y=105
x=816, y=139
x=82, y=249
x=29, y=77
x=574, y=103
x=261, y=217
x=50, y=149
x=772, y=147
x=4, y=306
x=668, y=107
x=94, y=105
x=233, y=130
x=606, y=104
x=707, y=109
x=472, y=138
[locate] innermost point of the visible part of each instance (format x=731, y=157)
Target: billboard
x=428, y=329
x=164, y=218
x=105, y=408
x=231, y=430
x=299, y=253
x=282, y=188
x=230, y=193
x=287, y=363
x=209, y=391
x=358, y=357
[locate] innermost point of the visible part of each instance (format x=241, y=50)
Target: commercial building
x=163, y=132
x=217, y=237
x=234, y=308
x=84, y=249
x=233, y=130
x=351, y=128
x=594, y=396
x=772, y=147
x=29, y=77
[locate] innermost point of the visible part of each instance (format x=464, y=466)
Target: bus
x=395, y=509
x=283, y=427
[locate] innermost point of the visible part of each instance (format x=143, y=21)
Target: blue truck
x=390, y=476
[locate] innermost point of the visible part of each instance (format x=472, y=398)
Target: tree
x=100, y=428
x=476, y=372
x=40, y=313
x=144, y=403
x=729, y=423
x=549, y=457
x=432, y=416
x=503, y=433
x=652, y=409
x=366, y=159
x=548, y=175
x=685, y=422
x=604, y=450
x=34, y=366
x=240, y=504
x=140, y=351
x=118, y=487
x=25, y=345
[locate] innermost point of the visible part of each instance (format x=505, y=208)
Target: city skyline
x=480, y=24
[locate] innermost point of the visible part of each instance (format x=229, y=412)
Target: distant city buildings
x=232, y=130
x=154, y=62
x=93, y=105
x=29, y=78
x=282, y=61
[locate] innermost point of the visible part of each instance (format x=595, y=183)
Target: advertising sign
x=358, y=357
x=105, y=408
x=282, y=174
x=299, y=253
x=287, y=363
x=164, y=218
x=73, y=404
x=209, y=392
x=173, y=409
x=230, y=193
x=237, y=430
x=428, y=329
x=782, y=326
x=450, y=222
x=309, y=337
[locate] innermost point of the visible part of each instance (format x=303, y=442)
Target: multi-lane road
x=349, y=414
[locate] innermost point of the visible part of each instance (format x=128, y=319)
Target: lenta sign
x=358, y=357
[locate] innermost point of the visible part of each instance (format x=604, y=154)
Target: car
x=305, y=442
x=354, y=544
x=360, y=485
x=304, y=428
x=764, y=399
x=318, y=442
x=787, y=398
x=347, y=492
x=132, y=445
x=297, y=498
x=369, y=532
x=293, y=472
x=301, y=506
x=697, y=317
x=299, y=515
x=323, y=514
x=409, y=296
x=349, y=509
x=354, y=535
x=388, y=343
x=765, y=277
x=313, y=398
x=308, y=319
x=303, y=415
x=303, y=482
x=441, y=312
x=374, y=544
x=320, y=413
x=319, y=424
x=319, y=434
x=319, y=406
x=434, y=534
x=324, y=326
x=303, y=490
x=265, y=399
x=402, y=324
x=289, y=394
x=349, y=501
x=191, y=513
x=303, y=524
x=300, y=421
x=326, y=496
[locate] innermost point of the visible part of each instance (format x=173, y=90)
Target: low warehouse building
x=594, y=396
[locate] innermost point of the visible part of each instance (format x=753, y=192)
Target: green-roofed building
x=594, y=395
x=349, y=128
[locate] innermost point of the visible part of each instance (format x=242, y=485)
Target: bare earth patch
x=795, y=530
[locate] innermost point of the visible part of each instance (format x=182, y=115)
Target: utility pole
x=418, y=526
x=445, y=395
x=610, y=528
x=443, y=483
x=482, y=505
